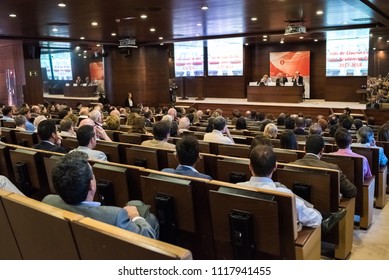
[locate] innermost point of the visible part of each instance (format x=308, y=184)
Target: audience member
x=315, y=129
x=113, y=122
x=100, y=132
x=20, y=122
x=27, y=113
x=270, y=131
x=343, y=141
x=262, y=165
x=241, y=124
x=365, y=138
x=86, y=138
x=288, y=140
x=161, y=131
x=7, y=185
x=187, y=154
x=75, y=184
x=219, y=128
x=300, y=127
x=314, y=147
x=66, y=127
x=50, y=138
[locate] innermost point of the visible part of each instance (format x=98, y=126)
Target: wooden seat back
x=26, y=138
x=237, y=150
x=100, y=241
x=69, y=143
x=9, y=248
x=42, y=231
x=9, y=135
x=111, y=149
x=230, y=169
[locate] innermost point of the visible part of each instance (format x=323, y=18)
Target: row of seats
x=32, y=230
x=194, y=222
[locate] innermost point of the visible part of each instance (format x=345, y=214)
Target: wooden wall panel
x=33, y=90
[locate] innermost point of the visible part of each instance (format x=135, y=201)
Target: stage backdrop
x=290, y=62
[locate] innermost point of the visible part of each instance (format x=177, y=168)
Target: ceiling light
x=55, y=29
x=84, y=56
x=374, y=49
x=319, y=12
x=199, y=24
x=12, y=15
x=264, y=39
x=152, y=29
x=204, y=7
x=282, y=41
x=98, y=45
x=82, y=38
x=315, y=40
x=246, y=44
x=264, y=36
x=160, y=38
x=85, y=51
x=161, y=44
x=143, y=16
x=254, y=19
x=387, y=41
x=79, y=54
x=62, y=5
x=77, y=48
x=379, y=38
x=94, y=23
x=301, y=37
x=113, y=34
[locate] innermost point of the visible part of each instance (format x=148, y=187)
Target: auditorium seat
x=26, y=138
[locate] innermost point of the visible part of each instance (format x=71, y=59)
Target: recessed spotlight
x=379, y=38
x=264, y=36
x=85, y=51
x=77, y=48
x=161, y=44
x=84, y=56
x=160, y=38
x=374, y=49
x=62, y=5
x=254, y=19
x=79, y=54
x=152, y=29
x=98, y=45
x=315, y=40
x=204, y=7
x=54, y=29
x=282, y=41
x=113, y=34
x=264, y=39
x=246, y=44
x=143, y=16
x=301, y=37
x=387, y=41
x=319, y=12
x=94, y=23
x=12, y=15
x=82, y=38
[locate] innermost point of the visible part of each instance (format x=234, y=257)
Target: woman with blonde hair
x=113, y=122
x=270, y=131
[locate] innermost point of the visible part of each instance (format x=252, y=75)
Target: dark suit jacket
x=347, y=189
x=282, y=80
x=112, y=215
x=183, y=170
x=299, y=131
x=298, y=81
x=48, y=147
x=127, y=104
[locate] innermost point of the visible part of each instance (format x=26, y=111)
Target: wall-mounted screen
x=225, y=57
x=58, y=65
x=347, y=52
x=189, y=59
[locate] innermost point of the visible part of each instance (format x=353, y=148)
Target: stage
x=308, y=103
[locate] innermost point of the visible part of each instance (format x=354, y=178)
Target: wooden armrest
x=368, y=181
x=303, y=236
x=383, y=168
x=344, y=202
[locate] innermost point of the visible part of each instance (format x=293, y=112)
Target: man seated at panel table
x=262, y=165
x=75, y=183
x=265, y=80
x=187, y=154
x=281, y=79
x=219, y=128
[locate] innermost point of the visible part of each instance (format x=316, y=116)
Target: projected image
x=225, y=57
x=347, y=52
x=189, y=59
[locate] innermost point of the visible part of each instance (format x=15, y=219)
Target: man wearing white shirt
x=217, y=135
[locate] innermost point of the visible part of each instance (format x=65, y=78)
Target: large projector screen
x=189, y=59
x=225, y=57
x=347, y=52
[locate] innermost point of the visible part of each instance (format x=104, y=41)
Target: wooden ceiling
x=181, y=20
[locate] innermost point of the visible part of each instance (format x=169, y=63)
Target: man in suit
x=187, y=154
x=75, y=184
x=87, y=142
x=281, y=80
x=50, y=138
x=298, y=79
x=314, y=147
